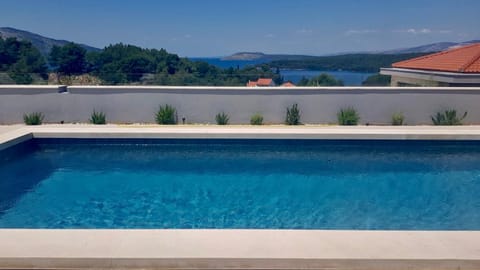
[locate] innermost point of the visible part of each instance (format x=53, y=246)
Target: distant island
x=428, y=48
x=250, y=56
x=245, y=56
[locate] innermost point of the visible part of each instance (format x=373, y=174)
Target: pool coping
x=471, y=132
x=245, y=249
x=239, y=249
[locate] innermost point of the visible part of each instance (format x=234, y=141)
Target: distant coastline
x=349, y=78
x=221, y=63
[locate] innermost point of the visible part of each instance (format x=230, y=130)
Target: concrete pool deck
x=238, y=249
x=471, y=132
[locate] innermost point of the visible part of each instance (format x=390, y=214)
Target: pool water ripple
x=216, y=184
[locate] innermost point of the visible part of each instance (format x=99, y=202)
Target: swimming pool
x=274, y=184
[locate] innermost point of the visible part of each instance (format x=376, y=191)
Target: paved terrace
x=238, y=249
x=470, y=132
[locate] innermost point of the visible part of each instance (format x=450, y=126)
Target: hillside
x=428, y=48
x=249, y=56
x=348, y=62
x=245, y=56
x=43, y=44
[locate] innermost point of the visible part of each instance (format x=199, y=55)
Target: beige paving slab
x=13, y=135
x=301, y=244
x=262, y=132
x=244, y=248
x=5, y=129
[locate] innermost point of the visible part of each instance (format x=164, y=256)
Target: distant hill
x=429, y=48
x=43, y=44
x=245, y=56
x=434, y=47
x=366, y=62
x=250, y=56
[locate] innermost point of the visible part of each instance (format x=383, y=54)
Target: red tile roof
x=264, y=82
x=288, y=84
x=465, y=59
x=251, y=84
x=260, y=82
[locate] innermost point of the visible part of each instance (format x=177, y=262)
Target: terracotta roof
x=251, y=84
x=465, y=59
x=264, y=82
x=260, y=82
x=288, y=84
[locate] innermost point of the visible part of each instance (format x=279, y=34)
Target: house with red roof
x=288, y=84
x=454, y=67
x=261, y=82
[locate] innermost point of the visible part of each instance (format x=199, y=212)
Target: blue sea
x=249, y=184
x=227, y=63
x=349, y=78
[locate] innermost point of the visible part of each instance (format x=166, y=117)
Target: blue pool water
x=241, y=184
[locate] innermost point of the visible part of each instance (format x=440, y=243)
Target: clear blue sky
x=222, y=27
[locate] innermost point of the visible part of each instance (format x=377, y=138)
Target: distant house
x=252, y=84
x=262, y=82
x=454, y=67
x=288, y=84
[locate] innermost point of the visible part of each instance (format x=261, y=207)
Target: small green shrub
x=166, y=115
x=348, y=117
x=448, y=118
x=31, y=119
x=398, y=119
x=222, y=118
x=293, y=115
x=98, y=118
x=377, y=80
x=256, y=119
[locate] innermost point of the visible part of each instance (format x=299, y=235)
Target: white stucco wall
x=128, y=104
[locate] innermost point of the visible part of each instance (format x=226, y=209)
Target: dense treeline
x=120, y=64
x=377, y=80
x=20, y=59
x=320, y=80
x=350, y=62
x=128, y=64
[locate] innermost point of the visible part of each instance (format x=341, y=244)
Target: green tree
x=9, y=52
x=68, y=59
x=303, y=81
x=121, y=63
x=377, y=80
x=135, y=67
x=20, y=59
x=323, y=80
x=18, y=73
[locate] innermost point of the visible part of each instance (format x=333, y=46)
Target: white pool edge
x=254, y=249
x=253, y=132
x=235, y=249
